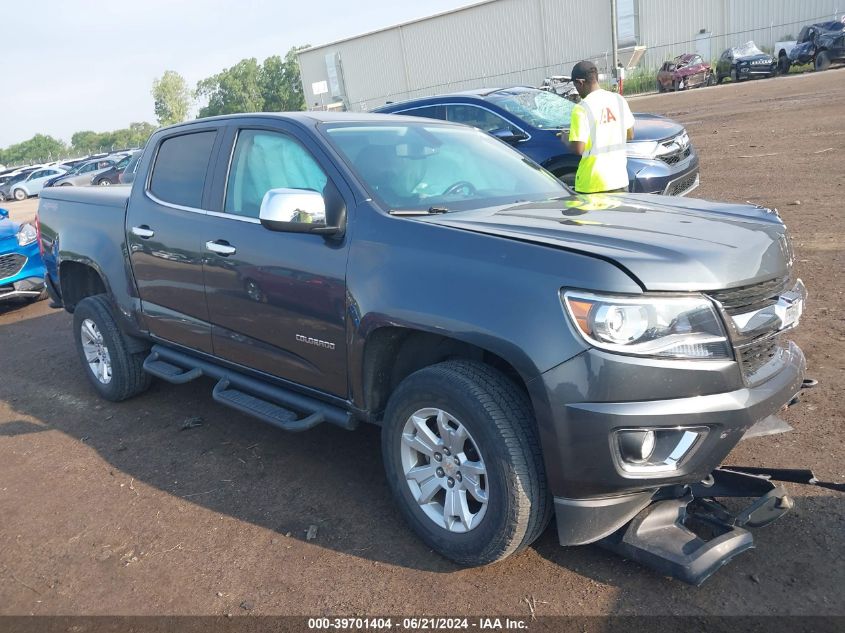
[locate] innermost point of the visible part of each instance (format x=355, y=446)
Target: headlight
x=657, y=326
x=641, y=149
x=27, y=234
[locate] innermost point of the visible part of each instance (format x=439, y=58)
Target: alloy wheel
x=444, y=470
x=96, y=353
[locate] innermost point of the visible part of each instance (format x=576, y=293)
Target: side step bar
x=285, y=409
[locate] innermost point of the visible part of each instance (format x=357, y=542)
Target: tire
x=734, y=76
x=40, y=297
x=105, y=182
x=126, y=376
x=19, y=195
x=660, y=87
x=783, y=65
x=710, y=80
x=65, y=184
x=822, y=61
x=676, y=86
x=501, y=435
x=719, y=78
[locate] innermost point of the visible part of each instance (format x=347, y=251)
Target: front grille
x=681, y=185
x=755, y=356
x=677, y=156
x=749, y=298
x=11, y=264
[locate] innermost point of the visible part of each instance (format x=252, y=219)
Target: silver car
x=34, y=182
x=84, y=175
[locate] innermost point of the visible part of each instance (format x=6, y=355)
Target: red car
x=685, y=71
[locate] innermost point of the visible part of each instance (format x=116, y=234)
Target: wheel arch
x=78, y=280
x=392, y=353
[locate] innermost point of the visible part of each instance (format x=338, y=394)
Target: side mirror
x=4, y=214
x=295, y=211
x=508, y=136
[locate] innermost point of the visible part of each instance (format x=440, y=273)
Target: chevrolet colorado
x=527, y=352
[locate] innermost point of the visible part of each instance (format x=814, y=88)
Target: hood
x=758, y=57
x=665, y=243
x=651, y=127
x=7, y=228
x=686, y=71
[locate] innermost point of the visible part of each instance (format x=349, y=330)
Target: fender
x=404, y=272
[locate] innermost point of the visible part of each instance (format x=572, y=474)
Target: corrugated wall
x=669, y=27
x=507, y=42
x=504, y=42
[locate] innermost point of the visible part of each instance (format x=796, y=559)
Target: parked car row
x=22, y=183
x=820, y=44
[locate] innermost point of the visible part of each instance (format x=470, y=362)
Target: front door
x=277, y=301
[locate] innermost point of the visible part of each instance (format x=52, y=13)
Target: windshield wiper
x=429, y=211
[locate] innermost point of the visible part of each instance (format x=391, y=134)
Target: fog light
x=656, y=451
x=636, y=446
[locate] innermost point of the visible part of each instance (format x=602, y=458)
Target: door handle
x=221, y=247
x=143, y=231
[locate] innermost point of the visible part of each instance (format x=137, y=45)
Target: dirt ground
x=115, y=509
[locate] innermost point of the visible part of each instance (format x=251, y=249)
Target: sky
x=72, y=65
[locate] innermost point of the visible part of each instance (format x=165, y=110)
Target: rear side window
x=429, y=112
x=180, y=166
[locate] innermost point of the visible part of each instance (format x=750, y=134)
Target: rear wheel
x=19, y=194
x=104, y=182
x=783, y=65
x=463, y=461
x=823, y=60
x=115, y=372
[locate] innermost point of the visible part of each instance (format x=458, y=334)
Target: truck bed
x=115, y=196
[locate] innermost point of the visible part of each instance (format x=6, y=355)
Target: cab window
x=179, y=172
x=265, y=160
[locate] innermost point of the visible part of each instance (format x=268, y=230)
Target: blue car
x=661, y=158
x=21, y=267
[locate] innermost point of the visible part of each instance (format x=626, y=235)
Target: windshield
x=749, y=49
x=541, y=109
x=420, y=167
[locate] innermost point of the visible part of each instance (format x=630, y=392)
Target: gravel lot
x=115, y=509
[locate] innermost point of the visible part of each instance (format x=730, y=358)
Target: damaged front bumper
x=686, y=534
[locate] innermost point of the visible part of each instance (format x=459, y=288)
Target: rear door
x=163, y=226
x=276, y=300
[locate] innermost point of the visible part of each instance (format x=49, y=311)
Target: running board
x=265, y=410
x=283, y=408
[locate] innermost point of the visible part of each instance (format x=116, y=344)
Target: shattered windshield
x=749, y=49
x=541, y=109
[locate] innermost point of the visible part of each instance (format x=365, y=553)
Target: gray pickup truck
x=527, y=352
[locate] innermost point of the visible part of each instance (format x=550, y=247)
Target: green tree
x=40, y=148
x=172, y=98
x=248, y=86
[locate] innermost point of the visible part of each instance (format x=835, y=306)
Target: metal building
x=521, y=42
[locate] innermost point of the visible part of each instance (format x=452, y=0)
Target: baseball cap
x=584, y=70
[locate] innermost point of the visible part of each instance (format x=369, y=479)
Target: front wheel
x=823, y=61
x=463, y=461
x=734, y=76
x=115, y=372
x=783, y=65
x=105, y=182
x=20, y=195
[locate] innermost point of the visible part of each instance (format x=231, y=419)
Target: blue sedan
x=660, y=158
x=21, y=267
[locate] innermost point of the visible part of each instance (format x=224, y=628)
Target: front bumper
x=593, y=495
x=655, y=176
x=25, y=280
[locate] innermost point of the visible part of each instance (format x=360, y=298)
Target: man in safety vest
x=601, y=125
